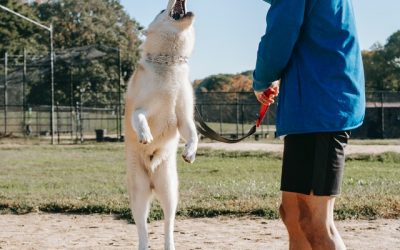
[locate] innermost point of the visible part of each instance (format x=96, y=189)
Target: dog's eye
x=162, y=12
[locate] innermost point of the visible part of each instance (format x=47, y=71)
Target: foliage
x=76, y=24
x=101, y=22
x=16, y=34
x=214, y=83
x=382, y=65
x=226, y=83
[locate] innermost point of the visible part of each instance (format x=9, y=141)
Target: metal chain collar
x=168, y=60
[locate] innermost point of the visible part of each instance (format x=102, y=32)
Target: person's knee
x=314, y=226
x=289, y=217
x=306, y=220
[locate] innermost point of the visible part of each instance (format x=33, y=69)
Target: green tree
x=16, y=34
x=94, y=25
x=241, y=82
x=382, y=65
x=214, y=83
x=86, y=23
x=392, y=58
x=81, y=23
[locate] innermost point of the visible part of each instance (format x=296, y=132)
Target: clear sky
x=228, y=31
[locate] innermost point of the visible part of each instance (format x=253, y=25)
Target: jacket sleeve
x=284, y=21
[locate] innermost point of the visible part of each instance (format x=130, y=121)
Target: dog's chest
x=163, y=120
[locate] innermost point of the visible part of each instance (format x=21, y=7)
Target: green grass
x=232, y=127
x=91, y=179
x=375, y=142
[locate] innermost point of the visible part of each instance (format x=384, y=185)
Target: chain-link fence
x=89, y=100
x=233, y=114
x=382, y=118
x=88, y=95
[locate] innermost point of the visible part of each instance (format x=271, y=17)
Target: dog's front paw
x=145, y=136
x=189, y=154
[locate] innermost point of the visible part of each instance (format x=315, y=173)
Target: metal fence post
x=80, y=116
x=58, y=121
x=382, y=115
x=52, y=83
x=220, y=119
x=28, y=127
x=71, y=104
x=237, y=115
x=38, y=127
x=242, y=118
x=24, y=92
x=5, y=91
x=77, y=122
x=119, y=133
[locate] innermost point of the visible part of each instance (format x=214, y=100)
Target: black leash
x=205, y=130
x=210, y=133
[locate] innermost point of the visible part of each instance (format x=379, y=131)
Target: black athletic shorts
x=314, y=163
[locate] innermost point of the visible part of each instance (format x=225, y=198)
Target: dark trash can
x=100, y=134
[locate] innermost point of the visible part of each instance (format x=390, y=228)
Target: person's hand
x=268, y=100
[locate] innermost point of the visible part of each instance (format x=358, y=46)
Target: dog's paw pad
x=189, y=154
x=145, y=138
x=189, y=158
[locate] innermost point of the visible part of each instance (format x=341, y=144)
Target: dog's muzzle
x=178, y=10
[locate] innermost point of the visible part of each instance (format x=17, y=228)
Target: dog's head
x=171, y=31
x=175, y=15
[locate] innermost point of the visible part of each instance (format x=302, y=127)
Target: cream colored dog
x=159, y=108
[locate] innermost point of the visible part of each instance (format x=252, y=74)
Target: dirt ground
x=57, y=231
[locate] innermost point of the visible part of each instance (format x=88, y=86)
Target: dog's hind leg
x=140, y=193
x=166, y=189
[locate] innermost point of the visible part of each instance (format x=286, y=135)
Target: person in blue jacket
x=311, y=46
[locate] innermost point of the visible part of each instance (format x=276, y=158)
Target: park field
x=85, y=179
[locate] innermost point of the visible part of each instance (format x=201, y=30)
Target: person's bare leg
x=290, y=214
x=317, y=223
x=335, y=233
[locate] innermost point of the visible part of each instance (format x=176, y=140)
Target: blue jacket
x=312, y=46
